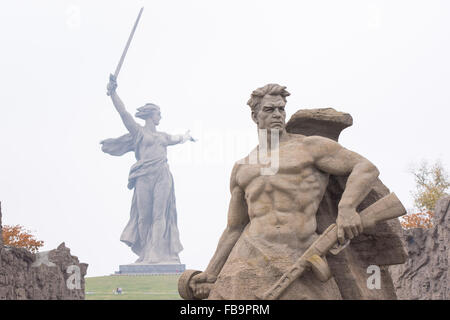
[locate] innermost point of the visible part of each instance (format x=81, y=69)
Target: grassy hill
x=157, y=287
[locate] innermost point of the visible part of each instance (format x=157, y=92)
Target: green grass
x=158, y=287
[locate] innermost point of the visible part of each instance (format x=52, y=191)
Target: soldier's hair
x=146, y=110
x=272, y=89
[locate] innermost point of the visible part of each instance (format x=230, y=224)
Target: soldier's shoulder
x=294, y=137
x=238, y=164
x=246, y=160
x=311, y=141
x=317, y=140
x=234, y=172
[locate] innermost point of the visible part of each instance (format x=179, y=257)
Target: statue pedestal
x=149, y=269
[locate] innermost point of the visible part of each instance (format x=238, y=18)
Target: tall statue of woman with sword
x=152, y=231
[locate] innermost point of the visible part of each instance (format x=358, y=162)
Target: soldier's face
x=271, y=114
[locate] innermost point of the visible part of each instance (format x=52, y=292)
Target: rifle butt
x=388, y=207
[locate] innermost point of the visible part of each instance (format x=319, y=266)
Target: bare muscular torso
x=282, y=207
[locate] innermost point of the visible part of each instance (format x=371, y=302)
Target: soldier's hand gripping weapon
x=113, y=77
x=386, y=208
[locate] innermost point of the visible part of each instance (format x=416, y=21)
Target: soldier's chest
x=291, y=160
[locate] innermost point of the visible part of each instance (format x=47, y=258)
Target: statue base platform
x=150, y=269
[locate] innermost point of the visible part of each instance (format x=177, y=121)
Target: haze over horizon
x=386, y=63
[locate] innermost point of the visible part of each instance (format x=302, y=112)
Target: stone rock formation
x=326, y=121
x=49, y=275
x=1, y=230
x=426, y=275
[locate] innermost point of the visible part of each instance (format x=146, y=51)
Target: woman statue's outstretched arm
x=179, y=138
x=127, y=118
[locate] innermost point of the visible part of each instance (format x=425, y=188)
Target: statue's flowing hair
x=146, y=110
x=272, y=89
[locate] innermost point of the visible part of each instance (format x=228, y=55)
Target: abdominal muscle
x=284, y=218
x=296, y=231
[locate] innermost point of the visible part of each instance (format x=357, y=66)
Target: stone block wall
x=49, y=275
x=426, y=275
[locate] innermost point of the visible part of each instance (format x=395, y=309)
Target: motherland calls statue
x=152, y=231
x=320, y=199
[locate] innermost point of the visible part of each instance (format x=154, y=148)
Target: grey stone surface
x=327, y=121
x=20, y=280
x=152, y=231
x=151, y=269
x=41, y=276
x=42, y=258
x=426, y=274
x=1, y=230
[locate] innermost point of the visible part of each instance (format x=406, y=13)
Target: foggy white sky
x=384, y=62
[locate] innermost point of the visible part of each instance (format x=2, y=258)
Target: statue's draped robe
x=152, y=231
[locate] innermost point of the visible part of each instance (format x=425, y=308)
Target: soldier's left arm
x=330, y=157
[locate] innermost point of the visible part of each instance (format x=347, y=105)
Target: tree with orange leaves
x=18, y=236
x=431, y=185
x=417, y=220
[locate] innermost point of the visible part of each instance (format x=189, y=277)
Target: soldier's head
x=148, y=112
x=267, y=104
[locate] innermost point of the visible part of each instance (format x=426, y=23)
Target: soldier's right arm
x=237, y=220
x=127, y=119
